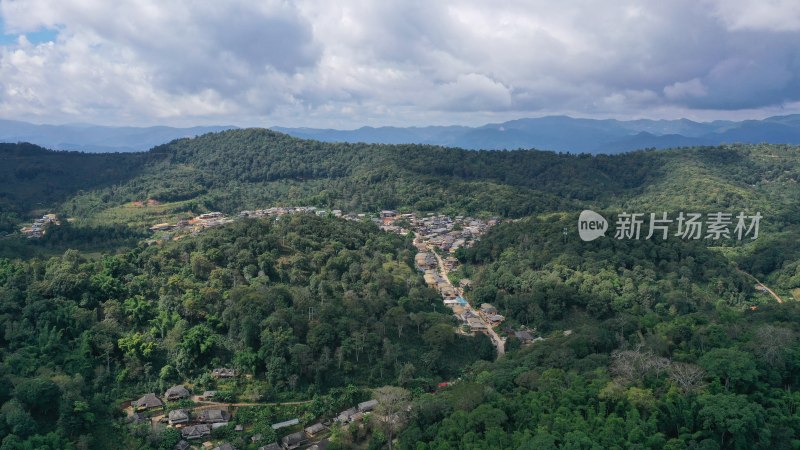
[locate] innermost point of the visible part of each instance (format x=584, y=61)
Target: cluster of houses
x=450, y=234
x=194, y=425
x=489, y=313
x=194, y=225
x=446, y=233
x=197, y=425
x=470, y=319
x=389, y=221
x=524, y=335
x=452, y=297
x=356, y=413
x=37, y=228
x=311, y=432
x=215, y=219
x=480, y=320
x=426, y=262
x=286, y=210
x=476, y=322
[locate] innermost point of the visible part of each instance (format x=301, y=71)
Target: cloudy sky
x=348, y=63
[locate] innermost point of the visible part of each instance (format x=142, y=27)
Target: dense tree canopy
x=301, y=303
x=647, y=343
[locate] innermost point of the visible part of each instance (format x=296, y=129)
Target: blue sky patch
x=36, y=37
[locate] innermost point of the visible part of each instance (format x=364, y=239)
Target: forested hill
x=661, y=344
x=304, y=306
x=647, y=344
x=255, y=168
x=32, y=177
x=252, y=168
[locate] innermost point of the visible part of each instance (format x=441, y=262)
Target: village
x=195, y=225
x=39, y=226
x=196, y=422
x=437, y=237
x=215, y=219
x=448, y=234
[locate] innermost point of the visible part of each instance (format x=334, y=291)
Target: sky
x=349, y=63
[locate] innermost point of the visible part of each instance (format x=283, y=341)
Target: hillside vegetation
x=646, y=343
x=241, y=169
x=305, y=304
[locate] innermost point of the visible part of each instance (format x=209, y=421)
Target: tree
x=730, y=366
x=485, y=417
x=41, y=396
x=359, y=341
x=18, y=420
x=732, y=415
x=687, y=377
x=771, y=344
x=439, y=336
x=397, y=316
x=393, y=409
x=169, y=438
x=201, y=266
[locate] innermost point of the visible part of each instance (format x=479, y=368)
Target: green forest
x=666, y=347
x=304, y=304
x=246, y=169
x=656, y=344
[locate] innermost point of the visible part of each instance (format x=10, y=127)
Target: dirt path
x=766, y=288
x=770, y=291
x=209, y=404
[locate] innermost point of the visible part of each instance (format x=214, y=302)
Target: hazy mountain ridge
x=97, y=138
x=558, y=133
x=567, y=134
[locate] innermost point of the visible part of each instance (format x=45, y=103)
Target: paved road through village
x=496, y=340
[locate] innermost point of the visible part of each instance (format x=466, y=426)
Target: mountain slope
x=245, y=169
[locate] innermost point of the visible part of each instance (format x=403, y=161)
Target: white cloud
x=473, y=92
x=760, y=15
x=402, y=62
x=685, y=89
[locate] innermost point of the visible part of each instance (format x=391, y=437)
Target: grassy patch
x=135, y=215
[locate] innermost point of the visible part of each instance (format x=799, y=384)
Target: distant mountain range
x=567, y=134
x=559, y=133
x=96, y=138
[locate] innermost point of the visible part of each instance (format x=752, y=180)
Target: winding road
x=498, y=342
